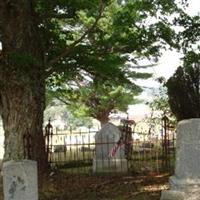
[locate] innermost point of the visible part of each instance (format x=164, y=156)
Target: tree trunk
x=22, y=114
x=22, y=82
x=103, y=119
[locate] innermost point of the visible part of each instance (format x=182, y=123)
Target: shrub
x=184, y=92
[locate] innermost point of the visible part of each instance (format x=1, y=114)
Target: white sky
x=194, y=7
x=166, y=67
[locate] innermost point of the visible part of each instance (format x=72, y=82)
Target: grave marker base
x=110, y=165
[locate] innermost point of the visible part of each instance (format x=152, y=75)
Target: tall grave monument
x=185, y=183
x=109, y=151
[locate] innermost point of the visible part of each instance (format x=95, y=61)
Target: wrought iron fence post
x=48, y=139
x=165, y=123
x=27, y=145
x=127, y=137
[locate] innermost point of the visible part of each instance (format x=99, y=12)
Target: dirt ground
x=61, y=187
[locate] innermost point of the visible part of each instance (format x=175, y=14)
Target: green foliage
x=122, y=29
x=189, y=37
x=160, y=102
x=184, y=86
x=160, y=106
x=184, y=92
x=93, y=35
x=56, y=108
x=97, y=98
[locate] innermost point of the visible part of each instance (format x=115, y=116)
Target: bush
x=184, y=92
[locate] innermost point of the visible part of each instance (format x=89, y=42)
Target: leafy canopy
x=103, y=37
x=93, y=35
x=97, y=99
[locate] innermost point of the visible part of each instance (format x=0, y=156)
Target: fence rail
x=74, y=152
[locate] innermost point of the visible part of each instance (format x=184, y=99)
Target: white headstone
x=185, y=184
x=105, y=140
x=20, y=180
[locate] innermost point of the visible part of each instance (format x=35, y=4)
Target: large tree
x=96, y=96
x=97, y=100
x=41, y=37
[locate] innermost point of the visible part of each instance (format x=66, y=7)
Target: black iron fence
x=75, y=151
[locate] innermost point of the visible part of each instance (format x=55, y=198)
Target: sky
x=194, y=7
x=165, y=68
x=167, y=65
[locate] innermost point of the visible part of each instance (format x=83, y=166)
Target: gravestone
x=185, y=183
x=20, y=180
x=109, y=151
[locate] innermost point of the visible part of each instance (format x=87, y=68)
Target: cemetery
x=100, y=163
x=99, y=100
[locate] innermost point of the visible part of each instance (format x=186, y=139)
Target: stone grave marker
x=185, y=183
x=20, y=180
x=109, y=151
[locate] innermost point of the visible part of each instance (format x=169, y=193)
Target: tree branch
x=63, y=101
x=57, y=16
x=69, y=49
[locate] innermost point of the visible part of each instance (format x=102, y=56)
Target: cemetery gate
x=146, y=152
